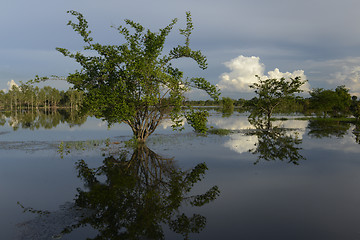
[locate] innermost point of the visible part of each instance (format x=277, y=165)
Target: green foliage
x=198, y=119
x=355, y=108
x=29, y=97
x=271, y=93
x=183, y=224
x=207, y=197
x=227, y=106
x=219, y=131
x=135, y=82
x=333, y=103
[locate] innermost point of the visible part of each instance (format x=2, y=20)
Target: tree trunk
x=145, y=124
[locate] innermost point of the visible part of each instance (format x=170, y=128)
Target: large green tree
x=135, y=82
x=270, y=94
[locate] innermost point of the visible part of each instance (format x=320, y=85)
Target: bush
x=198, y=120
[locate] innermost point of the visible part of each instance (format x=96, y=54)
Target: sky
x=318, y=40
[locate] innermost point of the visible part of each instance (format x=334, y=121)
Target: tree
x=135, y=82
x=342, y=107
x=227, y=106
x=334, y=103
x=355, y=107
x=27, y=92
x=270, y=94
x=14, y=94
x=198, y=120
x=2, y=99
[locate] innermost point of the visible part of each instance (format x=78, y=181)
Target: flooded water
x=298, y=182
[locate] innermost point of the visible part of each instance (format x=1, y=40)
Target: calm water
x=302, y=183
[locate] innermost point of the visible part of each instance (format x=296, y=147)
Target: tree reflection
x=132, y=197
x=41, y=119
x=275, y=143
x=356, y=133
x=323, y=128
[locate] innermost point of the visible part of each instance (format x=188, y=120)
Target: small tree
x=270, y=94
x=135, y=83
x=227, y=105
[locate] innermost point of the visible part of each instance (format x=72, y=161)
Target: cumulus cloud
x=242, y=74
x=348, y=74
x=332, y=73
x=10, y=84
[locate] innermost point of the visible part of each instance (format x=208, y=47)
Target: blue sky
x=316, y=39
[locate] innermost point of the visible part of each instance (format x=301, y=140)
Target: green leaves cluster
x=198, y=119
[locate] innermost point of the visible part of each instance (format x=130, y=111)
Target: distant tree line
x=324, y=103
x=29, y=97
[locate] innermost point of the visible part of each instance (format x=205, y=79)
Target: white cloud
x=338, y=72
x=243, y=71
x=348, y=75
x=241, y=143
x=10, y=84
x=242, y=74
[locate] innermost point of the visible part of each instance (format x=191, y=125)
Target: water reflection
x=356, y=133
x=277, y=144
x=132, y=197
x=281, y=142
x=34, y=120
x=323, y=128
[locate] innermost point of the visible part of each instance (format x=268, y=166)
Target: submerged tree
x=227, y=106
x=271, y=93
x=135, y=82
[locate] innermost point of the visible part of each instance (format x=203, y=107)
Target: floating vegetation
x=67, y=147
x=220, y=131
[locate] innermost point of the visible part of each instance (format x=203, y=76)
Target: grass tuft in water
x=220, y=131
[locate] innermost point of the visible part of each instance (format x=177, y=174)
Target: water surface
x=302, y=183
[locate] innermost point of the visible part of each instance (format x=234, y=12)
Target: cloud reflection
x=241, y=142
